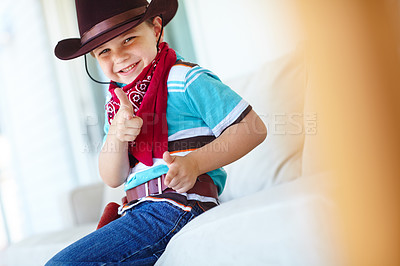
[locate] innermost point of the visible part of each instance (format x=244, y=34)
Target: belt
x=204, y=186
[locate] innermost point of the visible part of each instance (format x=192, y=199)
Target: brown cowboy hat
x=101, y=20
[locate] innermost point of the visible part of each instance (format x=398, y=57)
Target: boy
x=171, y=127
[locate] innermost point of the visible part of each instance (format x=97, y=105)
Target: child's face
x=124, y=57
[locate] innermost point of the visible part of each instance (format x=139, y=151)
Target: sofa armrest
x=86, y=203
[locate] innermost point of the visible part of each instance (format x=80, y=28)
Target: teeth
x=128, y=68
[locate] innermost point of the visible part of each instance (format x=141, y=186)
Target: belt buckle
x=147, y=190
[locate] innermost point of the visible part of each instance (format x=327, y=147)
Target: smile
x=127, y=69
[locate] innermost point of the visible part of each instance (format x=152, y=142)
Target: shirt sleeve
x=216, y=103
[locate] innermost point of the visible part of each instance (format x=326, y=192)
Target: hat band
x=110, y=23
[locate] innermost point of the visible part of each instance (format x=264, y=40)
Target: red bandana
x=148, y=95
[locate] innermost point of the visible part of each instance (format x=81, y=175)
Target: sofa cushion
x=112, y=195
x=276, y=92
x=37, y=250
x=290, y=224
x=315, y=142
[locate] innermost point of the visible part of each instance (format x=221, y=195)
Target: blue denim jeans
x=137, y=238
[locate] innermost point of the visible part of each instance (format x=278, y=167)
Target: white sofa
x=276, y=208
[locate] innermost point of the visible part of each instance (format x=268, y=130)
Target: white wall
x=33, y=124
x=50, y=128
x=233, y=37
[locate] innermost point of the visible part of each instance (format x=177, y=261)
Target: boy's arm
x=114, y=164
x=236, y=141
x=114, y=161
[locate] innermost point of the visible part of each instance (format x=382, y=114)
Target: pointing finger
x=123, y=99
x=124, y=103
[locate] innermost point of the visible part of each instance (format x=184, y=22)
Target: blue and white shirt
x=199, y=108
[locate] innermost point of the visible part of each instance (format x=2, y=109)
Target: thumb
x=168, y=158
x=124, y=102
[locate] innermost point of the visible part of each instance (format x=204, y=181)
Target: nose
x=120, y=56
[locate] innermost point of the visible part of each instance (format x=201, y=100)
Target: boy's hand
x=126, y=125
x=182, y=174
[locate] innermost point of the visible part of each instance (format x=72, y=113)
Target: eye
x=104, y=51
x=129, y=39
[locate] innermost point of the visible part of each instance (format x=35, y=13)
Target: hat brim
x=72, y=48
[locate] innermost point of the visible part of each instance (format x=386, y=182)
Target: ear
x=157, y=23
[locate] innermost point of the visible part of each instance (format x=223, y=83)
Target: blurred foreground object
x=354, y=76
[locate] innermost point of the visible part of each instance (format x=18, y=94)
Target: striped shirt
x=199, y=108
